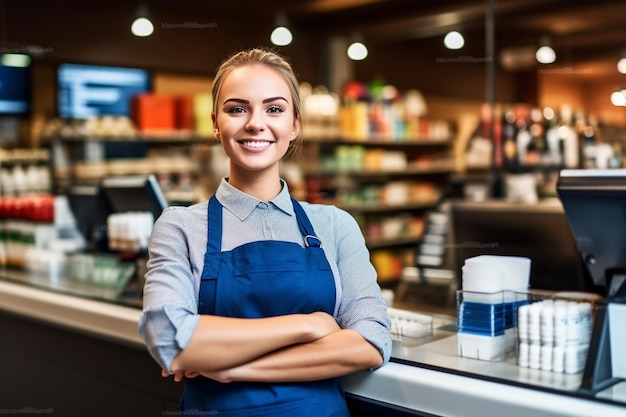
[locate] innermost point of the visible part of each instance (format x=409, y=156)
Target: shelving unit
x=176, y=159
x=386, y=185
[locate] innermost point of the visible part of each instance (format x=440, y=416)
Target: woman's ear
x=296, y=128
x=216, y=129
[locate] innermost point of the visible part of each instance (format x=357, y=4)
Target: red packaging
x=154, y=112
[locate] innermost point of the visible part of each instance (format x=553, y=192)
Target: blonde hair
x=259, y=56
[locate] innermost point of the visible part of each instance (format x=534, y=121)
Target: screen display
x=595, y=204
x=88, y=91
x=537, y=231
x=14, y=88
x=135, y=193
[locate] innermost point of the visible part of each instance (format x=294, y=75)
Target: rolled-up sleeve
x=169, y=316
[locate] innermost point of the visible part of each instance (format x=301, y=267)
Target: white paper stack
x=492, y=288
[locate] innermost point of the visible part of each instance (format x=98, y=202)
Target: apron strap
x=214, y=239
x=212, y=258
x=310, y=239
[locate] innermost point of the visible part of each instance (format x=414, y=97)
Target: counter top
x=100, y=318
x=424, y=374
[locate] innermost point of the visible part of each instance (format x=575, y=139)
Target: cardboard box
x=154, y=112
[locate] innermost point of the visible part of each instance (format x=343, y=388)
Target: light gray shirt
x=176, y=260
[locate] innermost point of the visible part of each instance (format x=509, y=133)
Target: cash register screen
x=135, y=193
x=91, y=205
x=538, y=231
x=595, y=204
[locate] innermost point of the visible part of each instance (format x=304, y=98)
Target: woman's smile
x=255, y=145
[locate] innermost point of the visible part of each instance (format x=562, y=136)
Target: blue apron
x=264, y=279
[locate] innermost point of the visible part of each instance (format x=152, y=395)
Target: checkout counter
x=79, y=356
x=70, y=352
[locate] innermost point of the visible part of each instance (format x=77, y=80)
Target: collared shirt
x=176, y=260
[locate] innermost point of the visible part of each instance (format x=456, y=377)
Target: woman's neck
x=264, y=186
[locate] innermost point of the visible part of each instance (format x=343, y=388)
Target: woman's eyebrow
x=236, y=100
x=267, y=100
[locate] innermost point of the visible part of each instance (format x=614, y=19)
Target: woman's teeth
x=255, y=144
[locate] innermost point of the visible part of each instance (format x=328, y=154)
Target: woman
x=261, y=302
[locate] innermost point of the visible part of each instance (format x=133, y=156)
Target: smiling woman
x=259, y=301
x=256, y=123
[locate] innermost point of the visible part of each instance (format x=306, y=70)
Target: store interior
x=441, y=154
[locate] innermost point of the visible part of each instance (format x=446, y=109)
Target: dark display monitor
x=15, y=88
x=93, y=204
x=135, y=193
x=595, y=204
x=88, y=91
x=537, y=231
x=91, y=208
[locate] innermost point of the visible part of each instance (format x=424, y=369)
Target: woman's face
x=255, y=120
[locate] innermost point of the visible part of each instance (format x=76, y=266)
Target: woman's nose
x=255, y=122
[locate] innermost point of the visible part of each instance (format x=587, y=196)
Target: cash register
x=594, y=201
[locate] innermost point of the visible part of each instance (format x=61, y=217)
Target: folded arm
x=223, y=342
x=337, y=354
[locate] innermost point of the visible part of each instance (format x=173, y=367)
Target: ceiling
x=586, y=33
x=582, y=32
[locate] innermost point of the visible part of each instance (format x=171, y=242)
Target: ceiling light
x=545, y=55
x=357, y=51
x=621, y=65
x=454, y=40
x=142, y=26
x=281, y=35
x=618, y=98
x=14, y=60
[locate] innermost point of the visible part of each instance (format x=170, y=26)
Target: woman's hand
x=179, y=376
x=317, y=325
x=321, y=324
x=219, y=376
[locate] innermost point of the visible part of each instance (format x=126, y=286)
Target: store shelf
x=389, y=243
x=178, y=158
x=381, y=142
x=160, y=138
x=382, y=173
x=387, y=185
x=378, y=208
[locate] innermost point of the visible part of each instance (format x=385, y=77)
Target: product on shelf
x=525, y=136
x=382, y=113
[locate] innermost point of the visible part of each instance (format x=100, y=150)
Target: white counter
x=437, y=382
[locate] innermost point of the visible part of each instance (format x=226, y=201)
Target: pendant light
x=142, y=26
x=281, y=35
x=621, y=64
x=545, y=54
x=618, y=98
x=357, y=51
x=454, y=40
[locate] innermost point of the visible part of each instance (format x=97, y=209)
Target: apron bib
x=264, y=279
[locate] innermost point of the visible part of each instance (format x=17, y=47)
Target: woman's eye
x=275, y=109
x=236, y=109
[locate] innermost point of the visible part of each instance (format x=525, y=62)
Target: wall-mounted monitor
x=88, y=91
x=15, y=85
